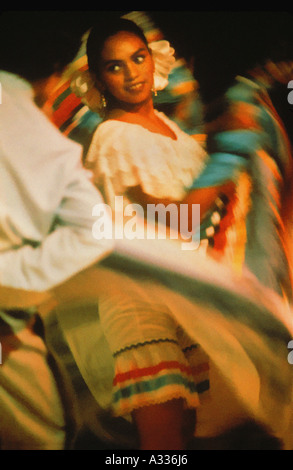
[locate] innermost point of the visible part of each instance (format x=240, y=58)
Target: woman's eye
x=114, y=68
x=139, y=59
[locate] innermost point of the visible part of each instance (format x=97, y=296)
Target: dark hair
x=101, y=31
x=36, y=44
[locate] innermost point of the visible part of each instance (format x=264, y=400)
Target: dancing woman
x=154, y=329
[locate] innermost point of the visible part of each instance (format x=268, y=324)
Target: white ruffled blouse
x=124, y=155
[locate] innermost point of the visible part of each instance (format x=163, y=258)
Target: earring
x=102, y=106
x=103, y=102
x=154, y=91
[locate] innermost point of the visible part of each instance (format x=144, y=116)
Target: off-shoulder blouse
x=124, y=155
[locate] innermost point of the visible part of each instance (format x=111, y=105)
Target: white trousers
x=31, y=411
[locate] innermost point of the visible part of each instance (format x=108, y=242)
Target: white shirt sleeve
x=68, y=249
x=46, y=197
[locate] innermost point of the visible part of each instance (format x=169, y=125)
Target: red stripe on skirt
x=147, y=371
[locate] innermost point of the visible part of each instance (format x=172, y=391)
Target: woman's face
x=127, y=68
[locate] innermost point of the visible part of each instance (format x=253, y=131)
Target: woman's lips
x=135, y=87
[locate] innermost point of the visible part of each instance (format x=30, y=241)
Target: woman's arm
x=205, y=197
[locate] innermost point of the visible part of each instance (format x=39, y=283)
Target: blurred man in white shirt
x=46, y=202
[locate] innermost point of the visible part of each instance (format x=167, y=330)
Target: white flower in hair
x=163, y=56
x=83, y=85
